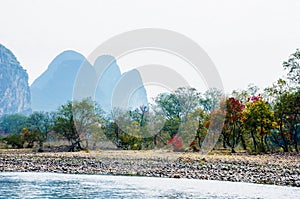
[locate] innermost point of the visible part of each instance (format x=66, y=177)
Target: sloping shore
x=278, y=169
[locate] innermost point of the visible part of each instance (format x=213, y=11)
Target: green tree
x=188, y=99
x=13, y=124
x=65, y=126
x=88, y=117
x=278, y=96
x=211, y=99
x=199, y=124
x=14, y=140
x=168, y=105
x=74, y=122
x=140, y=115
x=179, y=109
x=39, y=124
x=292, y=65
x=292, y=115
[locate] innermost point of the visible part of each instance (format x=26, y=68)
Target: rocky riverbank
x=279, y=169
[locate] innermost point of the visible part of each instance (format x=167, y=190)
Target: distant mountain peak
x=14, y=88
x=55, y=86
x=65, y=56
x=70, y=71
x=105, y=59
x=7, y=56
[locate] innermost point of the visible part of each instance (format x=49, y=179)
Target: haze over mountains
x=56, y=85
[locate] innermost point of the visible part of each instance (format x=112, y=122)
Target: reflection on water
x=49, y=185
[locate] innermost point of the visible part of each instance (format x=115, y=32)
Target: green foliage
x=30, y=137
x=188, y=100
x=292, y=117
x=169, y=104
x=38, y=126
x=140, y=115
x=127, y=141
x=13, y=140
x=182, y=113
x=40, y=121
x=292, y=65
x=259, y=120
x=244, y=95
x=12, y=124
x=211, y=99
x=77, y=121
x=64, y=124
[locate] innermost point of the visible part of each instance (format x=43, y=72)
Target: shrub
x=14, y=140
x=176, y=142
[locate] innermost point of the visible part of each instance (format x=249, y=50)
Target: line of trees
x=254, y=120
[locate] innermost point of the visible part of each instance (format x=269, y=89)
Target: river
x=53, y=185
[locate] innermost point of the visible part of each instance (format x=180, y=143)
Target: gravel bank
x=279, y=169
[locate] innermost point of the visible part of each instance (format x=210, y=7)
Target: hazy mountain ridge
x=55, y=86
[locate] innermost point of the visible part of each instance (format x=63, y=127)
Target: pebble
x=237, y=171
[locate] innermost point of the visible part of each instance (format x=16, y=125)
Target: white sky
x=247, y=40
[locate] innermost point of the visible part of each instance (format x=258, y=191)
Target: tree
x=292, y=65
x=259, y=119
x=14, y=140
x=244, y=95
x=65, y=126
x=30, y=137
x=180, y=112
x=211, y=99
x=168, y=106
x=74, y=122
x=40, y=121
x=88, y=117
x=188, y=99
x=232, y=130
x=278, y=96
x=140, y=115
x=201, y=119
x=12, y=124
x=292, y=115
x=39, y=124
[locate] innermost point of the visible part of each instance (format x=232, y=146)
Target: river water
x=53, y=185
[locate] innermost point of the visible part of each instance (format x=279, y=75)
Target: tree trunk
x=266, y=143
x=233, y=140
x=285, y=144
x=224, y=142
x=154, y=140
x=197, y=137
x=262, y=147
x=87, y=143
x=41, y=146
x=254, y=141
x=243, y=142
x=296, y=140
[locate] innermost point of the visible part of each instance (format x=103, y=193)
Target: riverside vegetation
x=255, y=121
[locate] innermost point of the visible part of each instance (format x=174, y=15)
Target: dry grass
x=266, y=159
